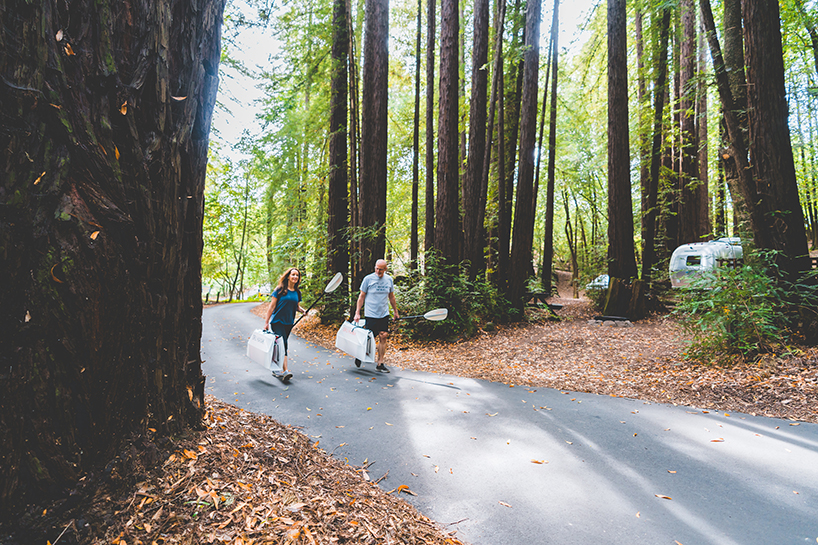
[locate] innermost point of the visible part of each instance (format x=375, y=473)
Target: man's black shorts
x=376, y=325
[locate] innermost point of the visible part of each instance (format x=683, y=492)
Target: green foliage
x=747, y=311
x=469, y=303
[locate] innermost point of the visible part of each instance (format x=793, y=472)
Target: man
x=377, y=293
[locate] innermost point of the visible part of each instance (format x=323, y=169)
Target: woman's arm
x=270, y=310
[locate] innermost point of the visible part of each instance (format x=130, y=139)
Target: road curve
x=512, y=465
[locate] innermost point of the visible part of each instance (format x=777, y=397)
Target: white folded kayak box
x=356, y=341
x=266, y=348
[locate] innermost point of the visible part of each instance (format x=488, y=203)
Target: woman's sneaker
x=382, y=368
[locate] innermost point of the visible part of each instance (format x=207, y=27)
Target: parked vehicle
x=691, y=260
x=598, y=283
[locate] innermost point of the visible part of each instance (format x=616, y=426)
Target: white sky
x=238, y=93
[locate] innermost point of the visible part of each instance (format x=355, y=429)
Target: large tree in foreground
x=523, y=237
x=104, y=122
x=621, y=259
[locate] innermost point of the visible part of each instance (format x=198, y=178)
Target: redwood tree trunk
x=337, y=193
x=523, y=237
x=473, y=198
x=621, y=259
x=373, y=131
x=448, y=233
x=105, y=119
x=689, y=136
x=429, y=236
x=773, y=168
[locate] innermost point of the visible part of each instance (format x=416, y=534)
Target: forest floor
x=247, y=479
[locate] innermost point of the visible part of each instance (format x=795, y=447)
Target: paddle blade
x=437, y=314
x=334, y=283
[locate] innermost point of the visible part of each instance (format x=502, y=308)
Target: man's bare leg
x=382, y=336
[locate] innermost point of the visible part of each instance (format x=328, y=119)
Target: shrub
x=746, y=311
x=469, y=303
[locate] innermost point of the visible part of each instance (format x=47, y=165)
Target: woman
x=281, y=313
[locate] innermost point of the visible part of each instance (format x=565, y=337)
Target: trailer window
x=693, y=260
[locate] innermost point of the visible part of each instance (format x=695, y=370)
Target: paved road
x=612, y=471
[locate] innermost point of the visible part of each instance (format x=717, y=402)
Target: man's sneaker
x=382, y=368
x=286, y=376
x=357, y=362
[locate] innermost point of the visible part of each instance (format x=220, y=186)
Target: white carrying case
x=266, y=349
x=356, y=341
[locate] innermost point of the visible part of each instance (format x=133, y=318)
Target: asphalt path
x=511, y=465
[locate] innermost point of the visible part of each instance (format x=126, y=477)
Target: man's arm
x=394, y=304
x=358, y=306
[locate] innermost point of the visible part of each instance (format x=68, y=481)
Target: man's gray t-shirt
x=377, y=290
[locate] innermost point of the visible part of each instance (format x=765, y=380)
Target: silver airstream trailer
x=689, y=260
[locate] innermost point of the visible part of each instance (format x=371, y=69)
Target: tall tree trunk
x=548, y=246
x=373, y=131
x=643, y=126
x=523, y=237
x=473, y=197
x=734, y=64
x=106, y=117
x=496, y=84
x=337, y=195
x=621, y=258
x=431, y=17
x=448, y=233
x=354, y=145
x=773, y=167
x=413, y=235
x=768, y=185
x=689, y=169
x=649, y=253
x=510, y=120
x=705, y=229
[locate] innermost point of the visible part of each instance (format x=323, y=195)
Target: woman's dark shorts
x=282, y=330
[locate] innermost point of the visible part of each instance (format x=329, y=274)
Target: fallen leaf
x=94, y=235
x=638, y=515
x=670, y=471
x=124, y=108
x=663, y=496
x=569, y=442
x=28, y=316
x=494, y=414
x=37, y=181
x=719, y=440
x=504, y=504
x=59, y=35
x=539, y=461
x=791, y=423
x=69, y=50
x=388, y=424
x=178, y=99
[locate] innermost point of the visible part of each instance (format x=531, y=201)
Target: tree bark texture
x=105, y=114
x=413, y=235
x=689, y=137
x=473, y=198
x=448, y=233
x=772, y=164
x=374, y=105
x=548, y=247
x=431, y=17
x=703, y=191
x=734, y=65
x=337, y=192
x=651, y=210
x=621, y=258
x=523, y=237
